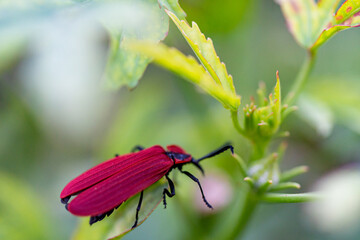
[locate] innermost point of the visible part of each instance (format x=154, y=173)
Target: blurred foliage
x=36, y=160
x=21, y=213
x=217, y=17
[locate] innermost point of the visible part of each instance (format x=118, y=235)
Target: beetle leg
x=138, y=209
x=172, y=190
x=198, y=182
x=216, y=152
x=137, y=148
x=65, y=200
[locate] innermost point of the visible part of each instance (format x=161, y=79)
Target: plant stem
x=259, y=149
x=250, y=199
x=235, y=120
x=248, y=207
x=301, y=78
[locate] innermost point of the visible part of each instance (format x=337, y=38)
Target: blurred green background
x=45, y=142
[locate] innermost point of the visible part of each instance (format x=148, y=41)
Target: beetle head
x=178, y=154
x=181, y=157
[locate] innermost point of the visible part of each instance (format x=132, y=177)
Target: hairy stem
x=301, y=78
x=235, y=120
x=248, y=207
x=291, y=198
x=250, y=200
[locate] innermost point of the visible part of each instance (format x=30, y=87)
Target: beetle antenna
x=216, y=152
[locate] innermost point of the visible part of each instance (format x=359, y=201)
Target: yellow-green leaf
x=205, y=51
x=313, y=23
x=187, y=67
x=306, y=19
x=347, y=10
x=347, y=16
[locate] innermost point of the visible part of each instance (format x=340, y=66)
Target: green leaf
x=290, y=198
x=120, y=222
x=289, y=174
x=205, y=51
x=187, y=67
x=173, y=6
x=312, y=24
x=126, y=67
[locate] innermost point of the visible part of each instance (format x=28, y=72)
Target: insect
x=106, y=186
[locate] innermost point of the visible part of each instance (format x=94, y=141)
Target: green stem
x=235, y=120
x=259, y=149
x=248, y=207
x=251, y=198
x=301, y=78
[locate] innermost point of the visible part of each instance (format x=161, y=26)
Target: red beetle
x=106, y=186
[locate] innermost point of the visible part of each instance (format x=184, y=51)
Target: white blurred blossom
x=339, y=211
x=317, y=114
x=61, y=77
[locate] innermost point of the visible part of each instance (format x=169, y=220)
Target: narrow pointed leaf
x=285, y=185
x=187, y=67
x=242, y=164
x=263, y=188
x=205, y=51
x=276, y=108
x=290, y=198
x=288, y=175
x=250, y=181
